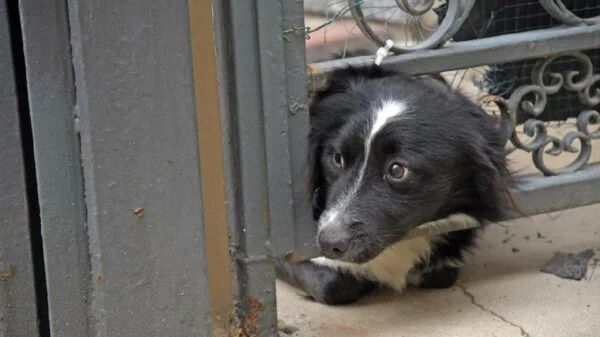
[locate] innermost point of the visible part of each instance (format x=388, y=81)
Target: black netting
x=492, y=18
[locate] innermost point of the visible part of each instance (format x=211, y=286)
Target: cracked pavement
x=491, y=312
x=501, y=292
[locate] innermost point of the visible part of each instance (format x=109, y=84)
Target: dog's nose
x=333, y=244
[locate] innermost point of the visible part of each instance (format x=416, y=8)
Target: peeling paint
x=139, y=212
x=7, y=276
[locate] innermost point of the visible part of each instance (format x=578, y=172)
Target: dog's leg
x=336, y=282
x=439, y=278
x=324, y=284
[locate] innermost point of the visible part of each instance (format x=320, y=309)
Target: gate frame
x=261, y=75
x=18, y=308
x=533, y=195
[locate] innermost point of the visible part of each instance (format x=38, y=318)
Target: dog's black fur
x=454, y=155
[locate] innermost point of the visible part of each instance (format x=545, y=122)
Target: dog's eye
x=338, y=160
x=396, y=172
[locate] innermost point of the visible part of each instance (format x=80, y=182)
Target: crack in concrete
x=471, y=297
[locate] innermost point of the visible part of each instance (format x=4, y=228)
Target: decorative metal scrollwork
x=415, y=9
x=558, y=10
x=532, y=99
x=458, y=11
x=457, y=14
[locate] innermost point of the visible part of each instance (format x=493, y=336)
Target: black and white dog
x=389, y=152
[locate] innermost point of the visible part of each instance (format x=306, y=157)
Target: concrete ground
x=501, y=292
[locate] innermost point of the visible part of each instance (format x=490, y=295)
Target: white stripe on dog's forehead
x=384, y=112
x=388, y=110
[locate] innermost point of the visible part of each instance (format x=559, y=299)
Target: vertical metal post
x=135, y=114
x=51, y=91
x=246, y=160
x=296, y=78
x=18, y=311
x=265, y=121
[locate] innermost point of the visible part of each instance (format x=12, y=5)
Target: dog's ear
x=341, y=80
x=491, y=177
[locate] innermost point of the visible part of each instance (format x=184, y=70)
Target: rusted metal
x=254, y=309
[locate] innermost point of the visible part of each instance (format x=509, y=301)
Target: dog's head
x=388, y=152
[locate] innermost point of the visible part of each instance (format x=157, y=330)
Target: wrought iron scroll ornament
x=415, y=9
x=457, y=14
x=532, y=99
x=458, y=11
x=560, y=12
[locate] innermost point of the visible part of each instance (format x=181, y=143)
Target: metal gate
x=153, y=152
